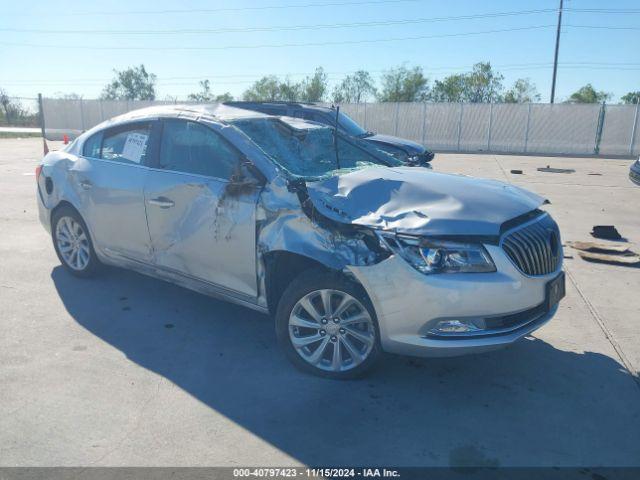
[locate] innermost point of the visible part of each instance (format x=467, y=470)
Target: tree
x=68, y=96
x=205, y=94
x=224, y=97
x=588, y=94
x=288, y=91
x=523, y=91
x=402, y=84
x=354, y=88
x=265, y=89
x=631, y=97
x=313, y=88
x=482, y=84
x=131, y=84
x=451, y=89
x=12, y=110
x=270, y=88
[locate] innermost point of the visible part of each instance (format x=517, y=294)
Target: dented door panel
x=199, y=231
x=111, y=201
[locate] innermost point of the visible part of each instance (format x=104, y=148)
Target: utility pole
x=555, y=58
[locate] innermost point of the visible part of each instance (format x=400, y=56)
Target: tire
x=70, y=234
x=300, y=318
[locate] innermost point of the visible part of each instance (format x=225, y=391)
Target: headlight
x=433, y=256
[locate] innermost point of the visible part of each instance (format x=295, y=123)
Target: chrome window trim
x=115, y=162
x=187, y=174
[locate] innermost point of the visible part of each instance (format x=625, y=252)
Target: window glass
x=310, y=152
x=126, y=145
x=91, y=147
x=193, y=148
x=350, y=126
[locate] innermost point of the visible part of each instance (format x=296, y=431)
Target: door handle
x=162, y=202
x=86, y=184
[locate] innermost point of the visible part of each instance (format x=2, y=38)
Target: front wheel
x=327, y=326
x=72, y=243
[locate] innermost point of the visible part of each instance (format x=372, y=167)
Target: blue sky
x=69, y=62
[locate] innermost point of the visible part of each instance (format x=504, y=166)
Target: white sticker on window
x=135, y=147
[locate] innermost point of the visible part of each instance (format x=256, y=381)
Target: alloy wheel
x=331, y=330
x=73, y=243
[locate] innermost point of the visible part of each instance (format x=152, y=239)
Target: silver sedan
x=350, y=252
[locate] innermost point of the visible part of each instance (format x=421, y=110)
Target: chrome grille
x=534, y=248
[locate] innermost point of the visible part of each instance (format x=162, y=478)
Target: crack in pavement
x=605, y=329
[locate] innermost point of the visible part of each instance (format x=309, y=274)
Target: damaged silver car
x=352, y=253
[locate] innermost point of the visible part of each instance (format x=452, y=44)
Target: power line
x=613, y=66
x=603, y=27
x=308, y=44
x=220, y=10
x=283, y=27
x=278, y=45
x=192, y=31
x=603, y=10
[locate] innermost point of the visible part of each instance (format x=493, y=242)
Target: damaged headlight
x=434, y=256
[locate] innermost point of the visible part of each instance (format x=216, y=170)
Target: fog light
x=453, y=326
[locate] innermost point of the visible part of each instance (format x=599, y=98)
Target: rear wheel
x=327, y=325
x=72, y=243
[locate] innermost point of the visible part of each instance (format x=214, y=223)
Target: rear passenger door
x=110, y=182
x=197, y=228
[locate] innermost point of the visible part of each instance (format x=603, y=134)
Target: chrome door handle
x=86, y=184
x=162, y=202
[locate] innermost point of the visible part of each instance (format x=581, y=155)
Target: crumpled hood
x=419, y=201
x=412, y=148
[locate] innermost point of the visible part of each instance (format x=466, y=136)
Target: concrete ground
x=128, y=370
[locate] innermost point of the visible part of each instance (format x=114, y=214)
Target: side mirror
x=245, y=179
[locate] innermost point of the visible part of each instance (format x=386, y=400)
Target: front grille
x=534, y=248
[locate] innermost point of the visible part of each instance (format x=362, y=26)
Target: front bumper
x=409, y=305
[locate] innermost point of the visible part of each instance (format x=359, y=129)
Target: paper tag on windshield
x=135, y=146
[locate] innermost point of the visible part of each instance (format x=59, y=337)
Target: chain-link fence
x=19, y=112
x=556, y=129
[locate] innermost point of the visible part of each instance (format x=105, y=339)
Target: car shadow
x=528, y=404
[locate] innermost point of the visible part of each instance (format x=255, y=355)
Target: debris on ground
x=632, y=260
x=599, y=247
x=516, y=172
x=606, y=252
x=550, y=169
x=595, y=174
x=607, y=232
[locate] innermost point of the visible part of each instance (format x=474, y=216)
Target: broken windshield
x=309, y=150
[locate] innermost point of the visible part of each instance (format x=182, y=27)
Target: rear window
x=126, y=144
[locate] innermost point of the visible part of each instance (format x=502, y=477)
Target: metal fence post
x=489, y=127
x=526, y=130
x=397, y=117
x=82, y=114
x=424, y=122
x=634, y=128
x=460, y=126
x=599, y=129
x=41, y=115
x=365, y=116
